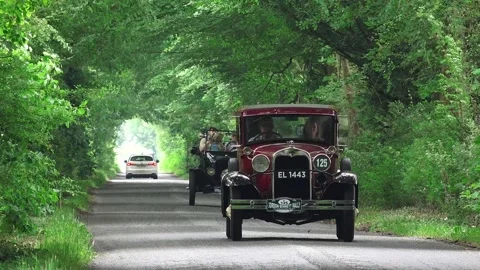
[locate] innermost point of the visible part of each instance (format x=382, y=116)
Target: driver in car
x=265, y=125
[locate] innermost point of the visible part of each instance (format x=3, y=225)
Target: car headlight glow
x=260, y=163
x=210, y=171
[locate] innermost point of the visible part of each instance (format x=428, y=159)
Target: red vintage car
x=288, y=170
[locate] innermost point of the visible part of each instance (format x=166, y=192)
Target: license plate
x=291, y=174
x=284, y=205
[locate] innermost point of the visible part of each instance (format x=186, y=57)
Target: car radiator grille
x=286, y=182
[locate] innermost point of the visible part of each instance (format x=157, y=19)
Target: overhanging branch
x=278, y=72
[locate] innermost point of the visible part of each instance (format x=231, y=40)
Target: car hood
x=271, y=149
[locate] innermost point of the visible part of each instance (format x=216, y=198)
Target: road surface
x=148, y=224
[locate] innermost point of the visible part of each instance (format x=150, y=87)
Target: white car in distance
x=141, y=166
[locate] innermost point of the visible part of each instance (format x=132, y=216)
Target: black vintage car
x=207, y=175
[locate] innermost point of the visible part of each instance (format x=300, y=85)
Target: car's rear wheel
x=346, y=220
x=192, y=189
x=128, y=176
x=236, y=217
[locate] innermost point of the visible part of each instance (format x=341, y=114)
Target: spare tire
x=233, y=165
x=345, y=165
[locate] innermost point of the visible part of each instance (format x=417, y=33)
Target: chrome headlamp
x=260, y=163
x=331, y=150
x=247, y=151
x=210, y=171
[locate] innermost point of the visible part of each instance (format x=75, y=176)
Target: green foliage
x=174, y=152
x=427, y=161
x=67, y=188
x=13, y=16
x=67, y=239
x=426, y=223
x=63, y=242
x=26, y=190
x=472, y=197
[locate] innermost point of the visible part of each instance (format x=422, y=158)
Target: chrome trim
x=307, y=205
x=289, y=152
x=296, y=145
x=237, y=179
x=331, y=152
x=245, y=149
x=269, y=162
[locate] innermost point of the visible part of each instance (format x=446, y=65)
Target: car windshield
x=141, y=158
x=305, y=128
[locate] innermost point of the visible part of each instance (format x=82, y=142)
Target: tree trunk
x=344, y=73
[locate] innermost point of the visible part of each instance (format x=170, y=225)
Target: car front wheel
x=192, y=189
x=224, y=200
x=236, y=217
x=346, y=220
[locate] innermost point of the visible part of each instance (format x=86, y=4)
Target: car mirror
x=157, y=161
x=125, y=161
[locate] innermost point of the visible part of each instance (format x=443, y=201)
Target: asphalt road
x=148, y=224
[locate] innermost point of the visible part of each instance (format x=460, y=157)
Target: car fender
x=346, y=178
x=235, y=179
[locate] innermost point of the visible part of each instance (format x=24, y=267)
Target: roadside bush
x=174, y=153
x=470, y=196
x=26, y=190
x=423, y=157
x=378, y=170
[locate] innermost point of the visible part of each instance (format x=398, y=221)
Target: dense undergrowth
x=58, y=240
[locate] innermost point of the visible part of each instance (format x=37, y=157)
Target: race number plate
x=284, y=205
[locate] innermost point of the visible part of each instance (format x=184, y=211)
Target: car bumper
x=141, y=171
x=306, y=205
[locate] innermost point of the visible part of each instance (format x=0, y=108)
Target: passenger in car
x=215, y=142
x=204, y=141
x=313, y=128
x=230, y=146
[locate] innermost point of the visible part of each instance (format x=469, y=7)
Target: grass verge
x=62, y=241
x=418, y=223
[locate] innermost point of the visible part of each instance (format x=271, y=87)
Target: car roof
x=265, y=109
x=147, y=155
